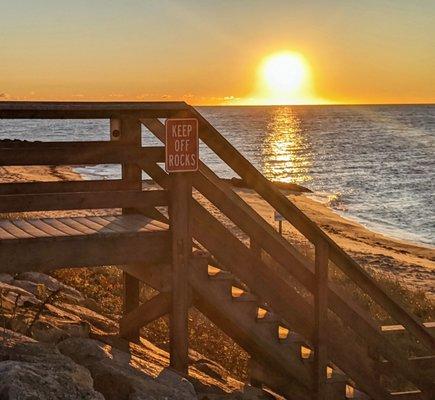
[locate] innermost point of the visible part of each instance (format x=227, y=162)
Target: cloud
x=4, y=95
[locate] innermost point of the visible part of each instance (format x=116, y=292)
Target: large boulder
x=34, y=371
x=121, y=376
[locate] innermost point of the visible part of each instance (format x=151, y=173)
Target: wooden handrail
x=88, y=110
x=63, y=186
x=79, y=154
x=216, y=142
x=82, y=200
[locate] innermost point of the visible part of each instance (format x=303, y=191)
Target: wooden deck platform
x=48, y=243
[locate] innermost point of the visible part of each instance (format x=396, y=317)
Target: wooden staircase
x=307, y=340
x=242, y=316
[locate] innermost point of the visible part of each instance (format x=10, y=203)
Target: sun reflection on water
x=286, y=150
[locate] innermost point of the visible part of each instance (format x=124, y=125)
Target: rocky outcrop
x=120, y=376
x=61, y=349
x=34, y=371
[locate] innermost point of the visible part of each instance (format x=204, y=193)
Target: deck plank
x=77, y=226
x=107, y=224
x=45, y=227
x=29, y=228
x=4, y=234
x=14, y=230
x=98, y=228
x=61, y=225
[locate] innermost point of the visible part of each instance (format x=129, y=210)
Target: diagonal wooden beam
x=156, y=307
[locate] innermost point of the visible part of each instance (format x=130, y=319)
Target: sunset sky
x=219, y=52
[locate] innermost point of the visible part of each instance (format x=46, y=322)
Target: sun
x=284, y=74
x=283, y=78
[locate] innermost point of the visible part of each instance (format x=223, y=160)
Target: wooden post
x=131, y=173
x=321, y=320
x=179, y=214
x=280, y=227
x=255, y=247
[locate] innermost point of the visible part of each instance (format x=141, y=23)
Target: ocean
x=373, y=164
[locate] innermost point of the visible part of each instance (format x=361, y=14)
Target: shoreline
x=409, y=263
x=371, y=226
x=412, y=264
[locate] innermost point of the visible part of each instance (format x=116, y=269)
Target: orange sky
x=208, y=52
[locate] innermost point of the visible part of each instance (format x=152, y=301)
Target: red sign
x=182, y=145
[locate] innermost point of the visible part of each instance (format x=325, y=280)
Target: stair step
x=306, y=353
x=286, y=336
x=264, y=315
x=219, y=274
x=241, y=295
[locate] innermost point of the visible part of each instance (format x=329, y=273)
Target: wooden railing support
x=132, y=175
x=321, y=320
x=255, y=247
x=179, y=215
x=147, y=312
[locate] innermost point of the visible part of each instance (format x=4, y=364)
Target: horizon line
x=316, y=105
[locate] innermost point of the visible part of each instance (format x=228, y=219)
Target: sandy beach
x=411, y=264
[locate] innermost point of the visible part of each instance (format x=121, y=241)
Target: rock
x=47, y=333
x=50, y=283
x=37, y=289
x=19, y=324
x=181, y=384
x=92, y=305
x=6, y=278
x=212, y=369
x=15, y=296
x=253, y=393
x=81, y=329
x=84, y=314
x=120, y=376
x=34, y=371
